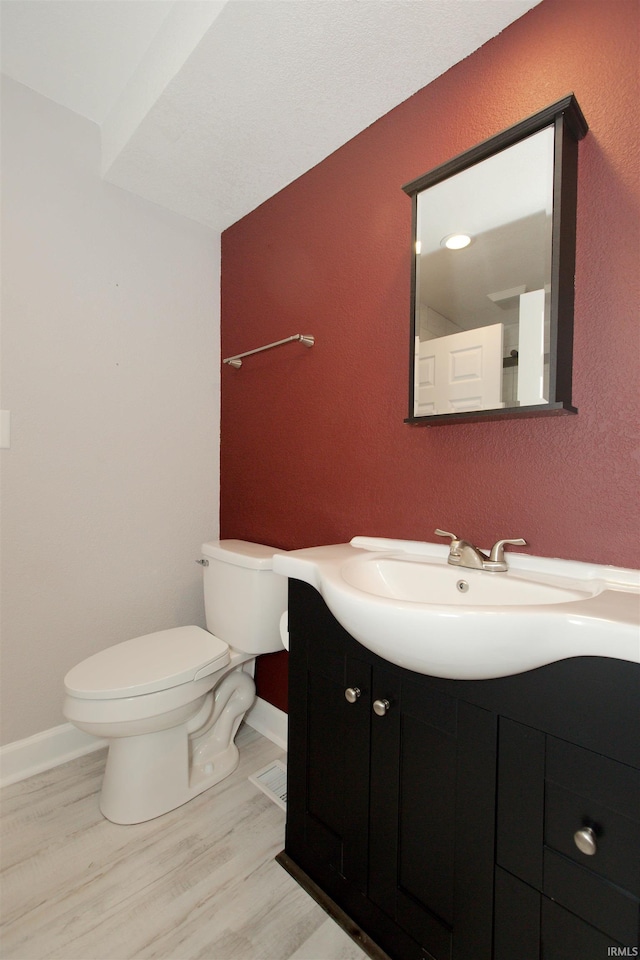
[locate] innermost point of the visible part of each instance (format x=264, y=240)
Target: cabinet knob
x=585, y=841
x=380, y=707
x=351, y=694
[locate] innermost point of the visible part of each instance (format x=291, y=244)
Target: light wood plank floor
x=199, y=883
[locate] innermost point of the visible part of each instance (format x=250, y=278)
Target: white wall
x=110, y=352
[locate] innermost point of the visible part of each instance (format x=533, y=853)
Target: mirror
x=492, y=275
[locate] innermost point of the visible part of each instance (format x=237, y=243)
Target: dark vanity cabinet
x=568, y=849
x=438, y=817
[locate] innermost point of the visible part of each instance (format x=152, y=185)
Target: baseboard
x=45, y=750
x=48, y=749
x=269, y=721
x=343, y=919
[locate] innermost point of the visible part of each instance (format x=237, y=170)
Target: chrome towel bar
x=305, y=339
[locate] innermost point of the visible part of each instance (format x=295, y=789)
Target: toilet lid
x=156, y=661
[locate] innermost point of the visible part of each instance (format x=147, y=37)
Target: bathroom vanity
x=446, y=819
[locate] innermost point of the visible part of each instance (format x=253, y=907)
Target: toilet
x=170, y=703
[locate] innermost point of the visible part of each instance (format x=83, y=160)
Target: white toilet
x=170, y=703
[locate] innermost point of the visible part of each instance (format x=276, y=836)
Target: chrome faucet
x=464, y=554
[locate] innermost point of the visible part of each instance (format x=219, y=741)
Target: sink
x=403, y=601
x=427, y=581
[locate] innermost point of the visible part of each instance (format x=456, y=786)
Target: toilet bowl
x=170, y=703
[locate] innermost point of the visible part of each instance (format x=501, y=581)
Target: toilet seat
x=155, y=661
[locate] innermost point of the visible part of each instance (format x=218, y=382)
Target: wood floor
x=199, y=883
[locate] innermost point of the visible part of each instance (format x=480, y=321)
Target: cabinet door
x=431, y=808
x=530, y=926
x=337, y=770
x=328, y=750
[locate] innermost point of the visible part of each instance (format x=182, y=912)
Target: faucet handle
x=497, y=550
x=443, y=533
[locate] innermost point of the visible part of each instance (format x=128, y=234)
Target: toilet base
x=148, y=792
x=146, y=776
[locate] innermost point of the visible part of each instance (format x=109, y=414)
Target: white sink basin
x=403, y=601
x=429, y=581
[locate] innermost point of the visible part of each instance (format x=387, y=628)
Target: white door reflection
x=459, y=372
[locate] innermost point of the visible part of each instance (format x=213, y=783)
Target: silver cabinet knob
x=351, y=694
x=380, y=707
x=585, y=841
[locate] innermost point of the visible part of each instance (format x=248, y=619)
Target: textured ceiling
x=210, y=107
x=79, y=53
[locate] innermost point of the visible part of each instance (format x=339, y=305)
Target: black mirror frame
x=570, y=127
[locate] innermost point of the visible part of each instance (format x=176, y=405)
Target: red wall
x=314, y=448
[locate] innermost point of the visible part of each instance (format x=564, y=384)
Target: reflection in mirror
x=489, y=276
x=504, y=206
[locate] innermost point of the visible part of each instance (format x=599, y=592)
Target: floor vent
x=272, y=780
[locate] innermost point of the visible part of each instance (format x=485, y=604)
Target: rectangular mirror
x=492, y=275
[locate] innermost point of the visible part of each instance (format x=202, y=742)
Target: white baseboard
x=45, y=750
x=48, y=749
x=269, y=721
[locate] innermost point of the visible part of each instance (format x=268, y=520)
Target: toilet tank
x=243, y=598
